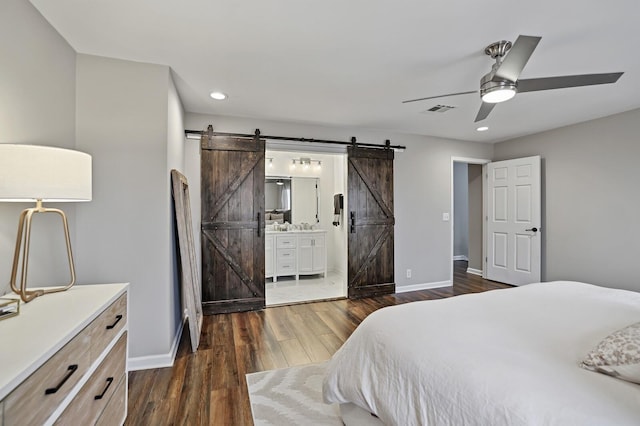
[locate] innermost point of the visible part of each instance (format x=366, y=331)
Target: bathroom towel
x=337, y=207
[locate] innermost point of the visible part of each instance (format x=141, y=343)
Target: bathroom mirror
x=291, y=199
x=277, y=194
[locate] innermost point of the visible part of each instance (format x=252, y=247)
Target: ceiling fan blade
x=485, y=109
x=516, y=58
x=536, y=84
x=440, y=96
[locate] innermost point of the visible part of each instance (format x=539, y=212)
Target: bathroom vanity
x=295, y=253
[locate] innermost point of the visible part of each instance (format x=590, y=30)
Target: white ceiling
x=351, y=63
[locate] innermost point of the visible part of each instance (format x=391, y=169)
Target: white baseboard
x=474, y=271
x=157, y=361
x=424, y=286
x=460, y=257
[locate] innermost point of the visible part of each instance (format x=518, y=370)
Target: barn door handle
x=259, y=224
x=353, y=222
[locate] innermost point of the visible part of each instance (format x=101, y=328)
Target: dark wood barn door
x=371, y=221
x=232, y=193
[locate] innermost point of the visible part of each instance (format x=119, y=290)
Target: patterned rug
x=290, y=396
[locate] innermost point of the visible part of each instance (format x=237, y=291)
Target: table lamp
x=30, y=173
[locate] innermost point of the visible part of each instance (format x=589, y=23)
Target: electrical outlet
x=445, y=217
x=408, y=273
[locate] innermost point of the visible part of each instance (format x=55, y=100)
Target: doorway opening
x=305, y=226
x=467, y=218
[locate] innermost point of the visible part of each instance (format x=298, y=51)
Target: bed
x=503, y=357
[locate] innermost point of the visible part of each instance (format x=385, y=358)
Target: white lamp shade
x=31, y=172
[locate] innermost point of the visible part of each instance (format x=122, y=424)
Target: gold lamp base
x=22, y=245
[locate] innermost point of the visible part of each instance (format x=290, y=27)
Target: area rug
x=290, y=396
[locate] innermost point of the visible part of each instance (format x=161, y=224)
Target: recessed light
x=218, y=96
x=482, y=129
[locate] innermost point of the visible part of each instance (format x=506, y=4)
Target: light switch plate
x=445, y=217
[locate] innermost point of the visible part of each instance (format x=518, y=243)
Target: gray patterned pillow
x=618, y=355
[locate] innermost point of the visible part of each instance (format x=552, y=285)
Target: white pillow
x=618, y=355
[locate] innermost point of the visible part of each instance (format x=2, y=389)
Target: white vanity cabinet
x=295, y=253
x=312, y=253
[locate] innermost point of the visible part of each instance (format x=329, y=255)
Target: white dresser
x=63, y=359
x=295, y=253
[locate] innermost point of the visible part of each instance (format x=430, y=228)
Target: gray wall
x=129, y=120
x=474, y=172
x=591, y=202
x=423, y=187
x=422, y=177
x=460, y=210
x=37, y=106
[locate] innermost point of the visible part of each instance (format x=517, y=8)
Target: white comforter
x=503, y=357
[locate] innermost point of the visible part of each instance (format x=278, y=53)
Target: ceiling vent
x=438, y=108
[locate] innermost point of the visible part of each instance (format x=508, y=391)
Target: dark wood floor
x=208, y=387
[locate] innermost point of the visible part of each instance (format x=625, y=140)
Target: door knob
x=532, y=229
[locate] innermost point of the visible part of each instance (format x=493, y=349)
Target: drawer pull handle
x=72, y=369
x=109, y=381
x=118, y=318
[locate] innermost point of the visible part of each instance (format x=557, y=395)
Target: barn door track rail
x=197, y=134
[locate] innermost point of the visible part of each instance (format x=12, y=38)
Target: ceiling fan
x=502, y=83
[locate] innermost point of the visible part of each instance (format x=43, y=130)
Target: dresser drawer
x=116, y=409
x=88, y=405
x=285, y=241
x=107, y=326
x=286, y=254
x=33, y=401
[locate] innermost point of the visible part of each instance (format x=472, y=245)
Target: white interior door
x=513, y=221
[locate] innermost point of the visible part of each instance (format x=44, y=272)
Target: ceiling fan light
x=498, y=94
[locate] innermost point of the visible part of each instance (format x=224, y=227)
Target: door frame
x=467, y=160
x=340, y=151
